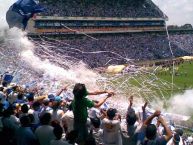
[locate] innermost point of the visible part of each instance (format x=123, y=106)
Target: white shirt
x=45, y=134
x=35, y=114
x=57, y=114
x=11, y=122
x=12, y=97
x=94, y=112
x=68, y=119
x=111, y=132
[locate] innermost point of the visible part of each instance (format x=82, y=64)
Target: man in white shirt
x=56, y=112
x=35, y=111
x=44, y=133
x=111, y=129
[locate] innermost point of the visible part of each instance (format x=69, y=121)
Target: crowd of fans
x=55, y=119
x=183, y=41
x=117, y=49
x=102, y=8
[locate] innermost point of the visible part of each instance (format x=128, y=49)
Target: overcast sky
x=179, y=11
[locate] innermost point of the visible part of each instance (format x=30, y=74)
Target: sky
x=180, y=12
x=4, y=6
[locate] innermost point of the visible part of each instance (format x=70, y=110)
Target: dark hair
x=79, y=91
x=1, y=89
x=14, y=88
x=20, y=96
x=24, y=108
x=131, y=118
x=176, y=138
x=151, y=131
x=58, y=132
x=96, y=122
x=72, y=136
x=90, y=139
x=6, y=113
x=55, y=105
x=30, y=96
x=25, y=121
x=31, y=117
x=70, y=107
x=36, y=105
x=46, y=102
x=111, y=112
x=179, y=131
x=45, y=119
x=4, y=84
x=55, y=123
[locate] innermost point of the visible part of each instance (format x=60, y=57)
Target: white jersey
x=111, y=132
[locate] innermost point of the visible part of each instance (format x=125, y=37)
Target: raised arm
x=150, y=118
x=144, y=117
x=61, y=90
x=168, y=135
x=100, y=92
x=100, y=102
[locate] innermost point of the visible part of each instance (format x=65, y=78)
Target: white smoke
x=17, y=41
x=19, y=46
x=76, y=73
x=182, y=103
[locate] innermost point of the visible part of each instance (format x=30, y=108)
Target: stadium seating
x=102, y=8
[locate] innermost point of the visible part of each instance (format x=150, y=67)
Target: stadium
x=123, y=47
x=110, y=25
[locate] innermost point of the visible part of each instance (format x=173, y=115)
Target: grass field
x=158, y=84
x=183, y=78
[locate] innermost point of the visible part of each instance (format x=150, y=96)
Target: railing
x=97, y=18
x=101, y=30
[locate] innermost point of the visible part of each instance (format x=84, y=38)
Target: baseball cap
x=51, y=97
x=58, y=99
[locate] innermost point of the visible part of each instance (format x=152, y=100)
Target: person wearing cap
x=56, y=112
x=79, y=107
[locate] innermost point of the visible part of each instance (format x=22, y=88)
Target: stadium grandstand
x=98, y=17
x=103, y=8
x=130, y=29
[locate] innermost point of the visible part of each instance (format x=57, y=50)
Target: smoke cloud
x=17, y=52
x=182, y=103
